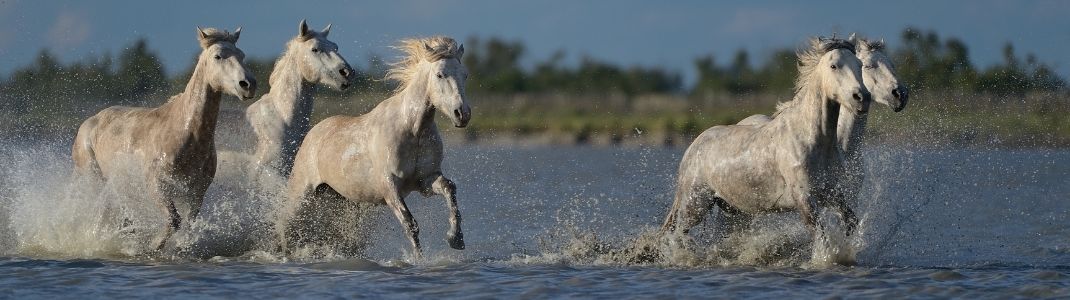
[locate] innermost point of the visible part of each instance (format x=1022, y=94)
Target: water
x=565, y=222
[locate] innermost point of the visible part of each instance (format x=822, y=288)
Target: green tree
x=140, y=73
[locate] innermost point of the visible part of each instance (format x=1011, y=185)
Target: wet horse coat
x=878, y=74
x=280, y=118
x=384, y=155
x=173, y=144
x=776, y=166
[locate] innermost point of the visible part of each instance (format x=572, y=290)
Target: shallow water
x=561, y=222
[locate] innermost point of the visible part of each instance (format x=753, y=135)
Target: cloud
x=70, y=29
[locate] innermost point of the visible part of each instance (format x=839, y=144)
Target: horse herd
x=803, y=156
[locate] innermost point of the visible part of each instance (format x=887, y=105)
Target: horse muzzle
x=246, y=89
x=901, y=94
x=461, y=116
x=456, y=240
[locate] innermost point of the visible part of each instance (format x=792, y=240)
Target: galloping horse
x=384, y=155
x=173, y=144
x=779, y=165
x=879, y=76
x=280, y=118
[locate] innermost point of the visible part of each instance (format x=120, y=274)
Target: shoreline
x=640, y=139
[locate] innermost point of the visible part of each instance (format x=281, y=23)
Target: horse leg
x=805, y=205
x=735, y=219
x=850, y=221
x=287, y=214
x=396, y=202
x=441, y=185
x=167, y=205
x=199, y=187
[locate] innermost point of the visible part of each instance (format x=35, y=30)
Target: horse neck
x=290, y=94
x=850, y=131
x=410, y=109
x=817, y=114
x=196, y=110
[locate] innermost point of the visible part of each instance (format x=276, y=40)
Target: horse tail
x=670, y=221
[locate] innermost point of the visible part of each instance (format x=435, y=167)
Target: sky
x=669, y=34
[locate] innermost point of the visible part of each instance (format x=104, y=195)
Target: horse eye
x=218, y=57
x=440, y=75
x=834, y=66
x=314, y=50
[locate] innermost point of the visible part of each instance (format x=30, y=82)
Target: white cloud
x=70, y=29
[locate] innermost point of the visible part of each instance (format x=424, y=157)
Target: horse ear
x=200, y=34
x=460, y=51
x=852, y=38
x=302, y=30
x=428, y=48
x=326, y=30
x=234, y=37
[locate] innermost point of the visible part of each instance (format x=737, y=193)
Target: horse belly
x=752, y=196
x=750, y=187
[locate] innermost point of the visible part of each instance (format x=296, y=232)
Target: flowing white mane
x=865, y=45
x=431, y=49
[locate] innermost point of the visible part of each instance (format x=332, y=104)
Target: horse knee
x=438, y=184
x=444, y=185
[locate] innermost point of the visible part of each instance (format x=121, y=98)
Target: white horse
x=280, y=118
x=780, y=165
x=879, y=76
x=384, y=155
x=173, y=143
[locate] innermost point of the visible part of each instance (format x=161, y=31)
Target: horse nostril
x=457, y=113
x=244, y=84
x=344, y=72
x=856, y=96
x=895, y=93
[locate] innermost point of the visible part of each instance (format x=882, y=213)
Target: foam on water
x=53, y=213
x=777, y=242
x=50, y=214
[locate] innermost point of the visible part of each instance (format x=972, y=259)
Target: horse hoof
x=456, y=241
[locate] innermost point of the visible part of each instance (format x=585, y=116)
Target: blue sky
x=656, y=33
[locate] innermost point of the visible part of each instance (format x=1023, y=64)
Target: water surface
x=559, y=222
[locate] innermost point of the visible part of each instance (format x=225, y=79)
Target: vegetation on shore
x=1018, y=102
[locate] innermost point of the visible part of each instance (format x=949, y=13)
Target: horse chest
x=419, y=157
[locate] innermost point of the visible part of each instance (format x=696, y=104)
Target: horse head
x=446, y=76
x=223, y=63
x=840, y=73
x=318, y=59
x=879, y=73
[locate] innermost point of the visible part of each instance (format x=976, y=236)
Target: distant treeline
x=925, y=62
